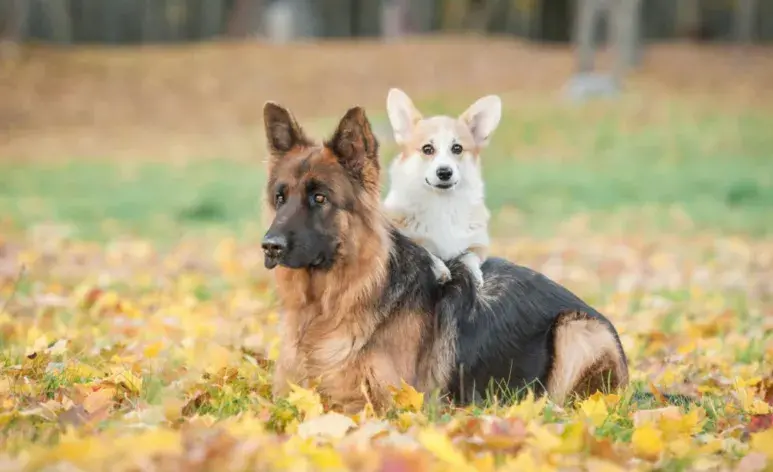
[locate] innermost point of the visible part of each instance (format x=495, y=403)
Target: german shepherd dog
x=363, y=310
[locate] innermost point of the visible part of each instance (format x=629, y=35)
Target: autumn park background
x=633, y=164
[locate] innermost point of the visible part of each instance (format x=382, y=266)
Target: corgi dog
x=436, y=195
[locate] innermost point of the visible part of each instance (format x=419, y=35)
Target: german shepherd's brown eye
x=320, y=199
x=279, y=199
x=428, y=149
x=457, y=149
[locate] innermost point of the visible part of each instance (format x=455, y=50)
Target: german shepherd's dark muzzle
x=299, y=236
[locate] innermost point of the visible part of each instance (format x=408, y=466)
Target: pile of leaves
x=122, y=356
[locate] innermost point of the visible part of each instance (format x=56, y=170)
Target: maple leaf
x=306, y=401
x=330, y=424
x=759, y=423
x=599, y=465
x=126, y=379
x=595, y=409
x=150, y=442
x=543, y=438
x=528, y=408
x=647, y=442
x=406, y=397
x=99, y=399
x=441, y=447
x=761, y=442
x=151, y=350
x=526, y=461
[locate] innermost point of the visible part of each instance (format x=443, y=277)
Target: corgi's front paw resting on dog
x=472, y=262
x=442, y=272
x=477, y=275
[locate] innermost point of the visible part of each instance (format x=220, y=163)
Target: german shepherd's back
x=362, y=309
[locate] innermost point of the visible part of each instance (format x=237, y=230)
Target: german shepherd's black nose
x=274, y=245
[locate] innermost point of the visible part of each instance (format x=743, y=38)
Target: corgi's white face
x=441, y=153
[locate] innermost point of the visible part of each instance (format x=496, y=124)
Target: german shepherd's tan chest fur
x=332, y=335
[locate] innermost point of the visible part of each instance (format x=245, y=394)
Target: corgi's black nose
x=444, y=173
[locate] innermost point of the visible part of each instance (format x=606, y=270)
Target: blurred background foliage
x=144, y=116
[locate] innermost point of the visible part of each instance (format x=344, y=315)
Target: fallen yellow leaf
x=441, y=447
x=150, y=442
x=151, y=350
x=763, y=442
x=542, y=438
x=528, y=408
x=331, y=424
x=595, y=409
x=306, y=401
x=599, y=465
x=326, y=458
x=407, y=397
x=654, y=415
x=647, y=442
x=127, y=379
x=102, y=398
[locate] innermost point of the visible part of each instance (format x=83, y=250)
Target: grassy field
x=138, y=326
x=549, y=162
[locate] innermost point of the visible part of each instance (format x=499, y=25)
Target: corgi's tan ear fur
x=482, y=118
x=403, y=115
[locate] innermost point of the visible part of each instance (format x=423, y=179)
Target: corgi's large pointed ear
x=282, y=130
x=355, y=145
x=403, y=115
x=483, y=118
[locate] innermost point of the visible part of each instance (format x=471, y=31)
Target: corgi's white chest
x=446, y=227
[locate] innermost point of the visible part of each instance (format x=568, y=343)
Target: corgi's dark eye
x=428, y=149
x=457, y=149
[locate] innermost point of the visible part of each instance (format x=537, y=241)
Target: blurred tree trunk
x=422, y=15
x=211, y=20
x=395, y=20
x=367, y=18
x=153, y=21
x=176, y=18
x=588, y=15
x=13, y=28
x=452, y=14
x=479, y=15
x=58, y=17
x=623, y=25
x=744, y=21
x=335, y=17
x=626, y=25
x=290, y=19
x=245, y=18
x=521, y=16
x=688, y=18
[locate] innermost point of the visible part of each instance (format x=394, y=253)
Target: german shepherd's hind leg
x=587, y=357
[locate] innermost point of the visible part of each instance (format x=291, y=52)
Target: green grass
x=551, y=162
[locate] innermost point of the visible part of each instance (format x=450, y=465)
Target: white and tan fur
x=451, y=221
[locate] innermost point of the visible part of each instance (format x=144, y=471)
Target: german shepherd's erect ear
x=282, y=130
x=356, y=148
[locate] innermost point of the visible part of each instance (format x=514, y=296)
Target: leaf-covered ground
x=121, y=357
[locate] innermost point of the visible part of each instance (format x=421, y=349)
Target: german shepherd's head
x=324, y=199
